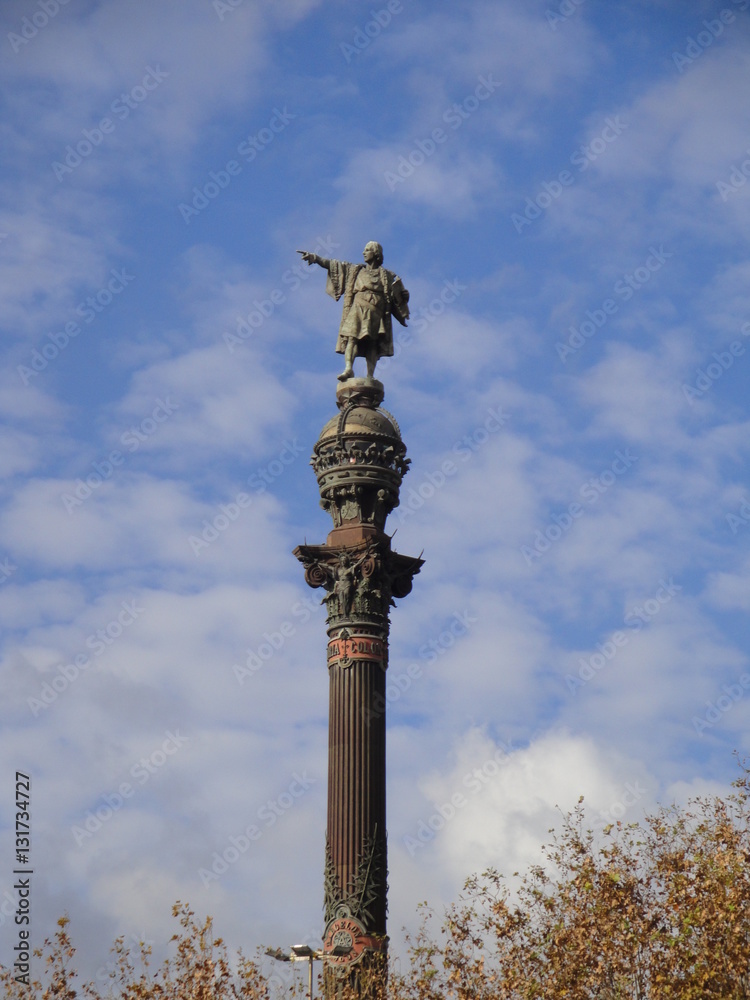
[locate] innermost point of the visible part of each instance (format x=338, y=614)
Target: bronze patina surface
x=359, y=460
x=372, y=295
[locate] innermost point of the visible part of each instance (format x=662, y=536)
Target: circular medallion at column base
x=346, y=942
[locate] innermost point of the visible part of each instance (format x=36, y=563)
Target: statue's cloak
x=367, y=311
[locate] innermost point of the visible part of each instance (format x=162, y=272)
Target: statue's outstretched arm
x=312, y=258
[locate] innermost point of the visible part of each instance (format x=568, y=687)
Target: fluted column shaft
x=356, y=775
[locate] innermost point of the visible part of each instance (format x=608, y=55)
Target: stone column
x=359, y=460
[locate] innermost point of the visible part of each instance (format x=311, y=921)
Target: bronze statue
x=372, y=295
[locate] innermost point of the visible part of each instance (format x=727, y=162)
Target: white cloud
x=492, y=808
x=684, y=130
x=56, y=253
x=94, y=58
x=730, y=591
x=131, y=520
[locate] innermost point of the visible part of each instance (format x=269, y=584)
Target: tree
x=200, y=970
x=653, y=910
x=658, y=910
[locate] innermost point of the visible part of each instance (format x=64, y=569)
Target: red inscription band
x=356, y=647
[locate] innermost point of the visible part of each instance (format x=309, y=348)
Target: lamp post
x=300, y=952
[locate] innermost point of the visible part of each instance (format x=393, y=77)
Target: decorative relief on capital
x=360, y=483
x=360, y=581
x=349, y=577
x=316, y=573
x=346, y=453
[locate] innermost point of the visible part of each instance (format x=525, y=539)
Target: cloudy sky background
x=572, y=390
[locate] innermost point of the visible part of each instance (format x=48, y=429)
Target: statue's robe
x=371, y=297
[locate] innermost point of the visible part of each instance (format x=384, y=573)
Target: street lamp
x=301, y=952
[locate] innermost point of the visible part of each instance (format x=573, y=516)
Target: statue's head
x=377, y=250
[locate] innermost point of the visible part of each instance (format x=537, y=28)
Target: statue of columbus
x=372, y=295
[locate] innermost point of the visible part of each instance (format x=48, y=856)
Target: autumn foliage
x=658, y=910
x=651, y=911
x=200, y=969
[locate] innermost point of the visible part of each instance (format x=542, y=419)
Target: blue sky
x=563, y=189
